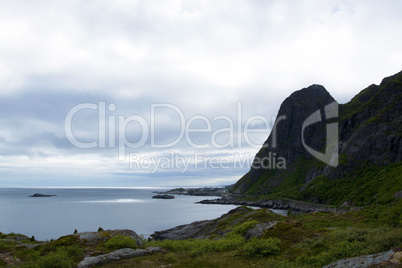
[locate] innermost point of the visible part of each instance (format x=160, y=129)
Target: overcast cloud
x=204, y=58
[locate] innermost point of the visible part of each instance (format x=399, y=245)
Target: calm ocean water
x=87, y=209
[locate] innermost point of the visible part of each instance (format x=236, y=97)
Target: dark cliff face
x=285, y=140
x=369, y=134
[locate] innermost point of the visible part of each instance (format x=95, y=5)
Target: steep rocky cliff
x=367, y=152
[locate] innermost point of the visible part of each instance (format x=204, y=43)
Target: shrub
x=261, y=247
x=143, y=239
x=5, y=245
x=243, y=228
x=64, y=242
x=197, y=247
x=3, y=263
x=232, y=242
x=120, y=241
x=346, y=243
x=56, y=259
x=171, y=257
x=75, y=252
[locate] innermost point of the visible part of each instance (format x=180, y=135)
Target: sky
x=132, y=93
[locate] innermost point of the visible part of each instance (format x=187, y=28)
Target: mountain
x=332, y=153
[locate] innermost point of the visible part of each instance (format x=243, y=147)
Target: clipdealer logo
x=112, y=133
x=331, y=155
x=112, y=129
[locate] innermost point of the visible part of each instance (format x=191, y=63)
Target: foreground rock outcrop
x=103, y=236
x=384, y=259
x=207, y=228
x=125, y=253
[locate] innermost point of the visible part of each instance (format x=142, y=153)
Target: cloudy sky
x=161, y=93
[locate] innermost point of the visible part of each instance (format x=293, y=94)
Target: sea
x=87, y=209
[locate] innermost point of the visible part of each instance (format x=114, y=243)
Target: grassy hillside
x=364, y=186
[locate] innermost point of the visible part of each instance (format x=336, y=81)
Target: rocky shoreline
x=292, y=205
x=227, y=198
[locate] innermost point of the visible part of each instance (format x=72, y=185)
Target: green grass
x=197, y=247
x=63, y=252
x=304, y=240
x=60, y=257
x=345, y=243
x=3, y=263
x=261, y=247
x=355, y=104
x=120, y=241
x=241, y=220
x=363, y=187
x=6, y=245
x=244, y=227
x=274, y=184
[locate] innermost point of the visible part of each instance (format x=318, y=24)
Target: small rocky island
x=42, y=195
x=163, y=196
x=205, y=191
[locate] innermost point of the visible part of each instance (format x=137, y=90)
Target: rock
x=103, y=236
x=181, y=232
x=258, y=229
x=125, y=253
x=398, y=195
x=345, y=204
x=201, y=229
x=381, y=259
x=163, y=196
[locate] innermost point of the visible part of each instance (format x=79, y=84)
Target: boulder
x=384, y=259
x=125, y=253
x=103, y=236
